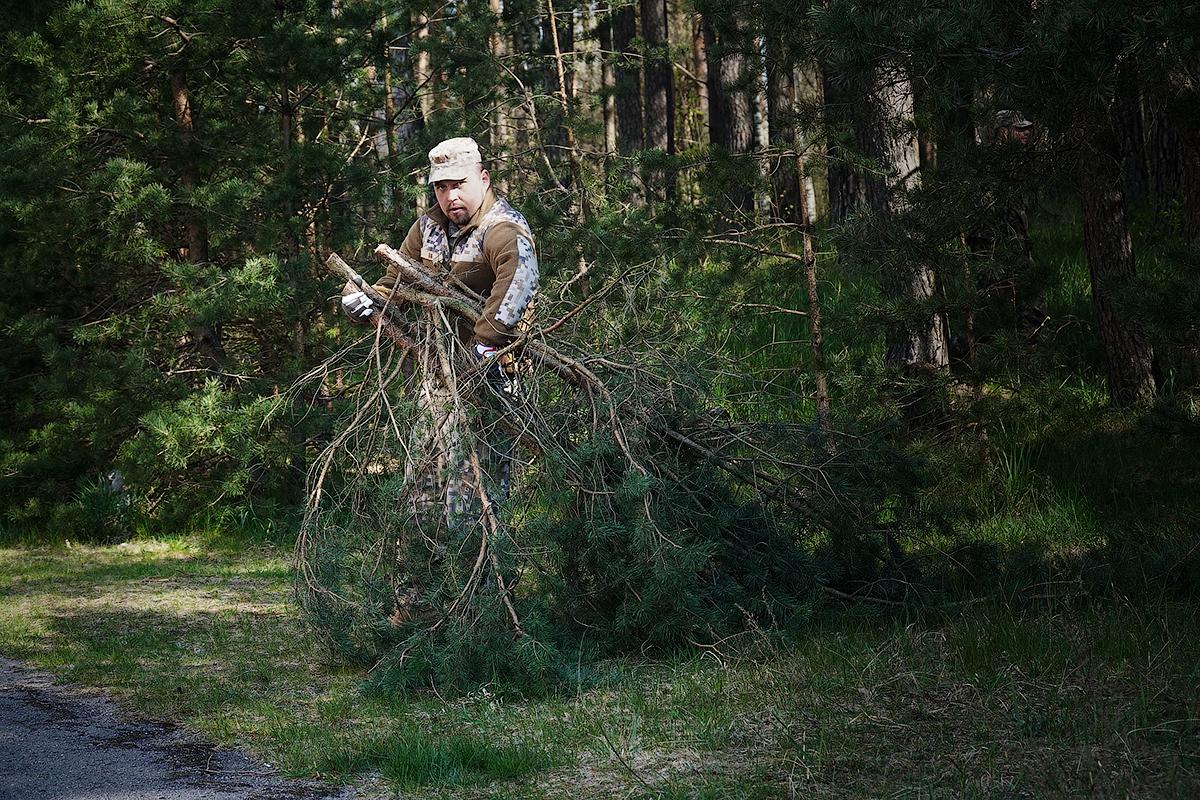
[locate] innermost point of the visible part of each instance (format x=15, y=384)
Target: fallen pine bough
x=455, y=527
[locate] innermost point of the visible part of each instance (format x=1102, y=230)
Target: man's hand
x=498, y=373
x=356, y=304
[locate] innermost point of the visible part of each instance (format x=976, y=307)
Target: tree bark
x=423, y=70
x=697, y=132
x=628, y=84
x=1132, y=136
x=204, y=340
x=919, y=339
x=787, y=198
x=1109, y=249
x=659, y=86
x=659, y=94
x=844, y=131
x=608, y=83
x=731, y=117
x=500, y=127
x=564, y=73
x=816, y=340
x=1166, y=163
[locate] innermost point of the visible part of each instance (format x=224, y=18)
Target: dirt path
x=57, y=744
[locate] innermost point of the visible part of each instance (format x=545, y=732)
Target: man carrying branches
x=472, y=239
x=476, y=244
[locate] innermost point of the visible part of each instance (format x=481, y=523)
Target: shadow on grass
x=203, y=666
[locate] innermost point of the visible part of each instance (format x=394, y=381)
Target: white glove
x=484, y=351
x=358, y=306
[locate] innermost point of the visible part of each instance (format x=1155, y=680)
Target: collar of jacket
x=489, y=199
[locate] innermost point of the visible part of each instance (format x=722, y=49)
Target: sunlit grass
x=980, y=699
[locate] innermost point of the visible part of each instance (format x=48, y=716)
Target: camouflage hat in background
x=1008, y=118
x=453, y=159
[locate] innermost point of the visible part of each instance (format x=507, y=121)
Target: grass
x=982, y=701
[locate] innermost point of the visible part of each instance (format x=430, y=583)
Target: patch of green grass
x=981, y=701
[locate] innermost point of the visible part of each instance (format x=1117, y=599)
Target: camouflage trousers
x=448, y=440
x=445, y=444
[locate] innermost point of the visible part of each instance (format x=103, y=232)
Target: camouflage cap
x=453, y=159
x=1008, y=118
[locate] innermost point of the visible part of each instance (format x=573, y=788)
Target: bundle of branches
x=637, y=512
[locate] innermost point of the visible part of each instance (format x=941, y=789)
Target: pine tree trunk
x=1166, y=164
x=500, y=128
x=194, y=228
x=608, y=83
x=559, y=34
x=1132, y=135
x=659, y=86
x=918, y=343
x=816, y=336
x=1109, y=249
x=659, y=95
x=926, y=141
x=920, y=340
x=628, y=82
x=731, y=117
x=564, y=74
x=1190, y=222
x=786, y=181
x=1185, y=110
x=697, y=133
x=847, y=190
x=423, y=70
x=389, y=113
x=894, y=141
x=204, y=340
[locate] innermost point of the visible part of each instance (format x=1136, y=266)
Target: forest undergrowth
x=861, y=406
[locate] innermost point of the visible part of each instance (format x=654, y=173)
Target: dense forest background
x=944, y=254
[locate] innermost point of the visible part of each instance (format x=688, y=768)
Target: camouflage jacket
x=492, y=254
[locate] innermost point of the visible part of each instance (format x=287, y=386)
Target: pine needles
x=467, y=523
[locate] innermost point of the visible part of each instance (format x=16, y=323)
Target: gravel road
x=59, y=744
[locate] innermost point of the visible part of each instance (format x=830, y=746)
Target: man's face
x=1022, y=134
x=459, y=200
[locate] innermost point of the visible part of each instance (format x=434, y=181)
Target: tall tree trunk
x=1182, y=109
x=423, y=78
x=563, y=73
x=659, y=94
x=389, y=113
x=194, y=228
x=919, y=340
x=608, y=83
x=628, y=82
x=894, y=141
x=204, y=340
x=1132, y=136
x=499, y=128
x=1166, y=164
x=787, y=197
x=816, y=336
x=844, y=130
x=423, y=70
x=698, y=132
x=1190, y=222
x=731, y=114
x=659, y=86
x=923, y=114
x=1109, y=249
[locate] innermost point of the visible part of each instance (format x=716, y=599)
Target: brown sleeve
x=411, y=248
x=510, y=252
